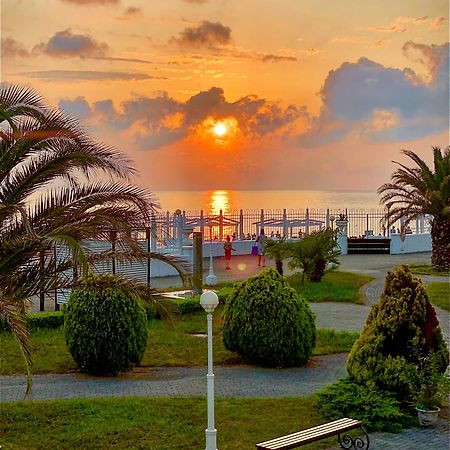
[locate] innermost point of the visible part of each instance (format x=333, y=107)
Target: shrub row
x=55, y=319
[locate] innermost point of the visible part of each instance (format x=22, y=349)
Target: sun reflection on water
x=219, y=200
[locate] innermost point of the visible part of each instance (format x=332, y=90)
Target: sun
x=220, y=129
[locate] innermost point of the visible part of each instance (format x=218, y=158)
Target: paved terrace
x=251, y=381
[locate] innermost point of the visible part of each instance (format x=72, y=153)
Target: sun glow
x=220, y=129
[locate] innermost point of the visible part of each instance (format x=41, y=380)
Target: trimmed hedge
x=266, y=322
x=105, y=328
x=51, y=319
x=401, y=330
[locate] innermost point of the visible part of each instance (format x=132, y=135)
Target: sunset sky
x=242, y=94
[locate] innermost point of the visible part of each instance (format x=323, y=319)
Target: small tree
x=277, y=250
x=313, y=253
x=400, y=331
x=105, y=327
x=268, y=323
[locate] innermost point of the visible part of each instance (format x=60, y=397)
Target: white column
x=210, y=432
x=241, y=225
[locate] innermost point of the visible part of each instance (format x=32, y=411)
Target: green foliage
x=278, y=250
x=428, y=269
x=378, y=410
x=266, y=322
x=150, y=423
x=421, y=190
x=51, y=319
x=434, y=387
x=401, y=329
x=335, y=286
x=439, y=294
x=105, y=329
x=313, y=253
x=332, y=341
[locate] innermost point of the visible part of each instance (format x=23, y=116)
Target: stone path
x=184, y=382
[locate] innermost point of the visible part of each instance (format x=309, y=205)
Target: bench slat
x=310, y=434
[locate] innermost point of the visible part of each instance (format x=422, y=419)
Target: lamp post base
x=211, y=279
x=211, y=443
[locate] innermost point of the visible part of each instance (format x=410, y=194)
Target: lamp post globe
x=209, y=301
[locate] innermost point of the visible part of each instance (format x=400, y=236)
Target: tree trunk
x=440, y=237
x=279, y=266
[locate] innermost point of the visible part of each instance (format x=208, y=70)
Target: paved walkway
x=184, y=382
x=250, y=381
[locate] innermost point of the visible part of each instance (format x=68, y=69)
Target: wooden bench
x=314, y=434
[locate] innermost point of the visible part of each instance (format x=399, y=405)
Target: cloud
x=207, y=34
x=153, y=122
x=384, y=103
x=361, y=40
x=402, y=24
x=115, y=58
x=92, y=2
x=131, y=13
x=435, y=24
x=431, y=56
x=87, y=75
x=65, y=44
x=13, y=49
x=276, y=58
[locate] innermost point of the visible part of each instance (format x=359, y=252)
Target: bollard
x=198, y=263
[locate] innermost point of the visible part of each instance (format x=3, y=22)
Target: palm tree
x=58, y=188
x=277, y=250
x=420, y=190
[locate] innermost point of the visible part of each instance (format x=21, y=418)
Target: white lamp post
x=211, y=279
x=209, y=301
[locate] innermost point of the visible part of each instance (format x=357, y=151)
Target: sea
x=212, y=201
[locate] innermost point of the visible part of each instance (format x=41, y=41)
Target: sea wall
x=411, y=243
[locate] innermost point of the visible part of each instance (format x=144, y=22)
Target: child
x=228, y=247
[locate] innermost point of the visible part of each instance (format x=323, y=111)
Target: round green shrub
x=400, y=332
x=266, y=322
x=105, y=329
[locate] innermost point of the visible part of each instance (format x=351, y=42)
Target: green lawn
x=439, y=294
x=169, y=344
x=335, y=286
x=427, y=269
x=152, y=424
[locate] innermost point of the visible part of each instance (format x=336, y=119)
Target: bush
x=52, y=319
x=400, y=331
x=266, y=322
x=313, y=253
x=378, y=410
x=105, y=329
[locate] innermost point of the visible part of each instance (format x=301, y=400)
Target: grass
x=335, y=286
x=169, y=345
x=427, y=269
x=439, y=294
x=155, y=424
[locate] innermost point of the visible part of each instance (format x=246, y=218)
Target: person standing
x=260, y=243
x=228, y=248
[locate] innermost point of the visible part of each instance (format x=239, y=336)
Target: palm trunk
x=279, y=266
x=440, y=237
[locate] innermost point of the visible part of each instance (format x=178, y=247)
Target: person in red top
x=228, y=247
